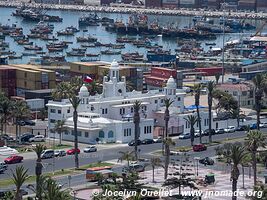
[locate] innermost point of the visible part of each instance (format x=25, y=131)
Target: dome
x=114, y=64
x=83, y=89
x=171, y=82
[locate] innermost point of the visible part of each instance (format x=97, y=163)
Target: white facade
x=108, y=116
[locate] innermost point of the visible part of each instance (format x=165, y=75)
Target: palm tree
x=63, y=90
x=191, y=120
x=154, y=162
x=19, y=178
x=75, y=102
x=53, y=191
x=167, y=103
x=5, y=112
x=197, y=89
x=168, y=142
x=260, y=83
x=43, y=114
x=235, y=154
x=210, y=88
x=38, y=169
x=255, y=139
x=128, y=156
x=20, y=112
x=60, y=128
x=217, y=78
x=136, y=119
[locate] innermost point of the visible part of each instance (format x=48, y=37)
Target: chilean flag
x=87, y=79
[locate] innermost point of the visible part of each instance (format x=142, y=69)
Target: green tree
x=217, y=78
x=167, y=104
x=254, y=140
x=20, y=111
x=235, y=155
x=43, y=114
x=5, y=111
x=136, y=120
x=167, y=142
x=197, y=90
x=260, y=189
x=191, y=120
x=260, y=84
x=60, y=128
x=210, y=88
x=19, y=177
x=39, y=148
x=75, y=102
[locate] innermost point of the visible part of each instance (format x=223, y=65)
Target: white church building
x=108, y=117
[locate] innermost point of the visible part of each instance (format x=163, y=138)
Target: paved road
x=110, y=154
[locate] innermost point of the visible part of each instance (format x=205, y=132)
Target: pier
x=126, y=10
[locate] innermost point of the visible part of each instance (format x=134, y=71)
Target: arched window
x=101, y=134
x=110, y=134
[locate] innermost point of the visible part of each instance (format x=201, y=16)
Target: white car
x=229, y=129
x=263, y=125
x=184, y=136
x=37, y=138
x=197, y=133
x=90, y=149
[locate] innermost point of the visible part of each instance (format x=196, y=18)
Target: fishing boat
x=24, y=42
x=4, y=44
x=76, y=53
x=14, y=57
x=92, y=55
x=28, y=54
x=210, y=43
x=54, y=49
x=34, y=35
x=68, y=31
x=57, y=45
x=51, y=18
x=35, y=48
x=88, y=45
x=86, y=39
x=89, y=20
x=132, y=57
x=118, y=46
x=79, y=49
x=47, y=38
x=110, y=52
x=125, y=40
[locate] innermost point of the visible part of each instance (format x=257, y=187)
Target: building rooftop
x=40, y=91
x=92, y=64
x=31, y=67
x=238, y=87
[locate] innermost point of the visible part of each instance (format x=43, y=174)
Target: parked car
x=219, y=131
x=199, y=147
x=7, y=137
x=241, y=128
x=48, y=153
x=134, y=167
x=3, y=165
x=29, y=122
x=26, y=137
x=229, y=129
x=59, y=153
x=253, y=126
x=13, y=159
x=158, y=140
x=184, y=136
x=148, y=141
x=206, y=132
x=197, y=133
x=73, y=151
x=133, y=142
x=37, y=138
x=90, y=149
x=263, y=125
x=206, y=161
x=174, y=153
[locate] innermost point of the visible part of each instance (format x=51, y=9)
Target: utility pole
x=223, y=7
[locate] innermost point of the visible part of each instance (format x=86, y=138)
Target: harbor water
x=70, y=18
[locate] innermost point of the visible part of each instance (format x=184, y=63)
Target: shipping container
x=211, y=71
x=163, y=72
x=153, y=3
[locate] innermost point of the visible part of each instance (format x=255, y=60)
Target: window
x=79, y=68
x=179, y=99
x=79, y=133
x=161, y=101
x=53, y=110
x=87, y=101
x=72, y=132
x=106, y=111
x=92, y=108
x=122, y=111
x=59, y=111
x=101, y=134
x=132, y=109
x=52, y=121
x=127, y=132
x=66, y=132
x=25, y=75
x=156, y=101
x=244, y=93
x=110, y=134
x=68, y=111
x=103, y=111
x=86, y=134
x=235, y=93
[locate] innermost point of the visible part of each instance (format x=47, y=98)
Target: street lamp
x=223, y=7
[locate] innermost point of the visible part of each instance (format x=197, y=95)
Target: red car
x=13, y=159
x=199, y=147
x=72, y=151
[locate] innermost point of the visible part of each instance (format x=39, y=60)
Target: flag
x=87, y=79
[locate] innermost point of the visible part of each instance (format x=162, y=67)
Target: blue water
x=70, y=18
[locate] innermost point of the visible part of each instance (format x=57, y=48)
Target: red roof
x=238, y=87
